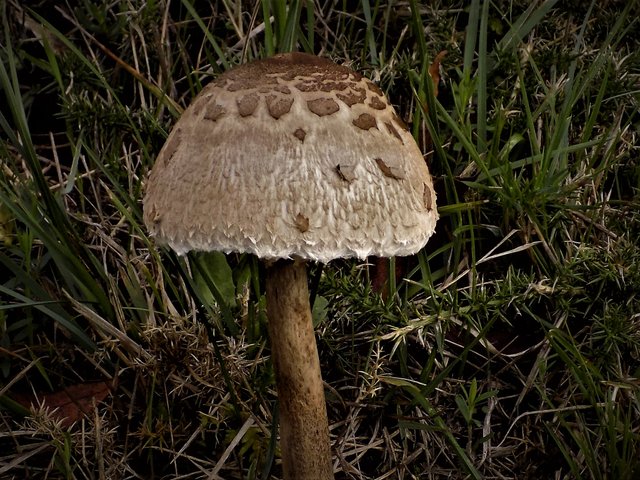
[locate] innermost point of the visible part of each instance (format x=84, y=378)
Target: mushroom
x=292, y=158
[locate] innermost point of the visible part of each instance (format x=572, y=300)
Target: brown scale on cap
x=392, y=130
x=323, y=106
x=214, y=111
x=373, y=87
x=346, y=173
x=300, y=134
x=302, y=223
x=355, y=95
x=365, y=121
x=278, y=106
x=378, y=104
x=390, y=171
x=427, y=196
x=247, y=104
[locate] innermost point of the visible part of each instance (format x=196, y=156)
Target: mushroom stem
x=304, y=428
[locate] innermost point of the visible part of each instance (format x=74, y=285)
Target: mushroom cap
x=291, y=156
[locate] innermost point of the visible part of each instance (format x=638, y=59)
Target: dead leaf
x=67, y=405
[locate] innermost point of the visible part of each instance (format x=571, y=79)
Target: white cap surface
x=292, y=156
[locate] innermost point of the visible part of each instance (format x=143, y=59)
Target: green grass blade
x=370, y=34
x=222, y=58
x=77, y=333
x=482, y=80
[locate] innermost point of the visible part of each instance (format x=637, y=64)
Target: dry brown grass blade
x=108, y=331
x=22, y=458
x=434, y=70
x=175, y=108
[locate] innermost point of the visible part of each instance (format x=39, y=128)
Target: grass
x=508, y=348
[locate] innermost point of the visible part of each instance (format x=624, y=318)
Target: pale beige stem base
x=304, y=430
